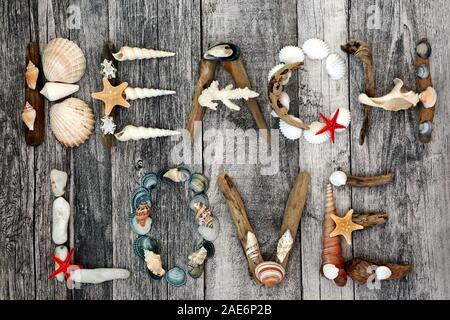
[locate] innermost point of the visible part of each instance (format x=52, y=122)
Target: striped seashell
x=270, y=273
x=129, y=53
x=252, y=247
x=142, y=93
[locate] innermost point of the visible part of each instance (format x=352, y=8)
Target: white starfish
x=108, y=126
x=107, y=69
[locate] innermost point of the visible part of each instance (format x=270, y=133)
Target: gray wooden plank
x=258, y=30
x=327, y=21
x=17, y=165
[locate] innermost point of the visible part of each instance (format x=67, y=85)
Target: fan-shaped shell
x=291, y=54
x=198, y=183
x=343, y=118
x=63, y=61
x=143, y=243
x=316, y=49
x=290, y=132
x=72, y=122
x=176, y=277
x=150, y=181
x=336, y=67
x=310, y=135
x=269, y=273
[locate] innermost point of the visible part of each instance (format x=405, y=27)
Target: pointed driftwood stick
x=206, y=72
x=357, y=269
x=237, y=70
x=33, y=97
x=368, y=220
x=354, y=181
x=109, y=48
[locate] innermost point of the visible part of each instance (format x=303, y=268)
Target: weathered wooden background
x=102, y=180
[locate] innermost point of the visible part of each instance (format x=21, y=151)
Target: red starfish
x=331, y=125
x=64, y=266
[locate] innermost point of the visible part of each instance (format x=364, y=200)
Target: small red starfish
x=331, y=125
x=64, y=266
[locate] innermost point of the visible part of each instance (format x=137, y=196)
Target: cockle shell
x=338, y=178
x=176, y=277
x=143, y=243
x=316, y=49
x=310, y=135
x=291, y=54
x=398, y=99
x=343, y=118
x=269, y=273
x=131, y=132
x=154, y=263
x=54, y=90
x=142, y=93
x=336, y=67
x=252, y=247
x=129, y=53
x=61, y=253
x=383, y=273
x=275, y=70
x=72, y=122
x=284, y=245
x=428, y=97
x=198, y=257
x=63, y=61
x=198, y=183
x=29, y=116
x=290, y=132
x=100, y=275
x=61, y=215
x=58, y=181
x=178, y=174
x=31, y=75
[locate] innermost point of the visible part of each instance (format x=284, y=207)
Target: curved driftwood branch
x=368, y=220
x=361, y=269
x=356, y=181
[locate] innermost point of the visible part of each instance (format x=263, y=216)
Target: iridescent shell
x=138, y=227
x=198, y=183
x=176, y=277
x=269, y=273
x=422, y=72
x=143, y=243
x=139, y=195
x=178, y=174
x=310, y=135
x=316, y=49
x=149, y=181
x=423, y=49
x=426, y=128
x=291, y=54
x=198, y=198
x=210, y=233
x=223, y=52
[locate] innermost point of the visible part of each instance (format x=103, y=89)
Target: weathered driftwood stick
x=206, y=72
x=361, y=269
x=239, y=216
x=425, y=114
x=237, y=70
x=362, y=51
x=109, y=48
x=33, y=97
x=368, y=220
x=294, y=208
x=355, y=181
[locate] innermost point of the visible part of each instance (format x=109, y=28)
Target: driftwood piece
x=206, y=72
x=109, y=48
x=368, y=220
x=363, y=52
x=425, y=114
x=33, y=97
x=237, y=70
x=355, y=181
x=360, y=270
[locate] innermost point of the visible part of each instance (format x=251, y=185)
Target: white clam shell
x=61, y=215
x=277, y=68
x=336, y=66
x=72, y=122
x=63, y=61
x=291, y=54
x=338, y=178
x=330, y=271
x=343, y=118
x=285, y=102
x=290, y=132
x=310, y=135
x=316, y=49
x=383, y=273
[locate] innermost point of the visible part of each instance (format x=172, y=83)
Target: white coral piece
x=107, y=69
x=108, y=126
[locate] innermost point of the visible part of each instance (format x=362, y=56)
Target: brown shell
x=357, y=269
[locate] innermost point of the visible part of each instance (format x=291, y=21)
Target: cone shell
x=270, y=273
x=343, y=118
x=310, y=135
x=63, y=61
x=291, y=54
x=316, y=49
x=31, y=75
x=72, y=122
x=29, y=116
x=428, y=97
x=336, y=67
x=54, y=90
x=290, y=132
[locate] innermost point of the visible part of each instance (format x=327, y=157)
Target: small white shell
x=290, y=132
x=291, y=54
x=60, y=217
x=428, y=97
x=310, y=135
x=336, y=67
x=285, y=102
x=55, y=90
x=316, y=49
x=343, y=118
x=383, y=273
x=275, y=69
x=338, y=178
x=330, y=271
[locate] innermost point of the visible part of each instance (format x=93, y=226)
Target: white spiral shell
x=335, y=66
x=310, y=135
x=316, y=49
x=290, y=132
x=136, y=133
x=291, y=54
x=142, y=93
x=133, y=53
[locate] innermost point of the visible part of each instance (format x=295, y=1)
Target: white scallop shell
x=343, y=118
x=285, y=101
x=310, y=135
x=291, y=54
x=336, y=67
x=290, y=132
x=275, y=69
x=72, y=122
x=316, y=49
x=338, y=178
x=63, y=61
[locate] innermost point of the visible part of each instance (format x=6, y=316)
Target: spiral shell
x=252, y=247
x=63, y=61
x=336, y=67
x=129, y=53
x=270, y=273
x=29, y=116
x=72, y=122
x=131, y=132
x=316, y=49
x=291, y=54
x=142, y=93
x=310, y=135
x=31, y=75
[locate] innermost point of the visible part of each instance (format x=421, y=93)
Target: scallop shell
x=150, y=181
x=176, y=277
x=31, y=75
x=423, y=49
x=343, y=118
x=54, y=90
x=338, y=178
x=72, y=122
x=63, y=61
x=428, y=97
x=310, y=135
x=139, y=195
x=270, y=273
x=210, y=233
x=178, y=174
x=285, y=101
x=316, y=49
x=29, y=116
x=291, y=54
x=290, y=132
x=336, y=67
x=198, y=183
x=422, y=72
x=143, y=243
x=275, y=70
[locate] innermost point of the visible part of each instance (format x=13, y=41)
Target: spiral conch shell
x=31, y=75
x=142, y=93
x=131, y=132
x=29, y=116
x=72, y=122
x=129, y=53
x=252, y=247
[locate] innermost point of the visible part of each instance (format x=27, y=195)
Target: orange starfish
x=111, y=96
x=345, y=226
